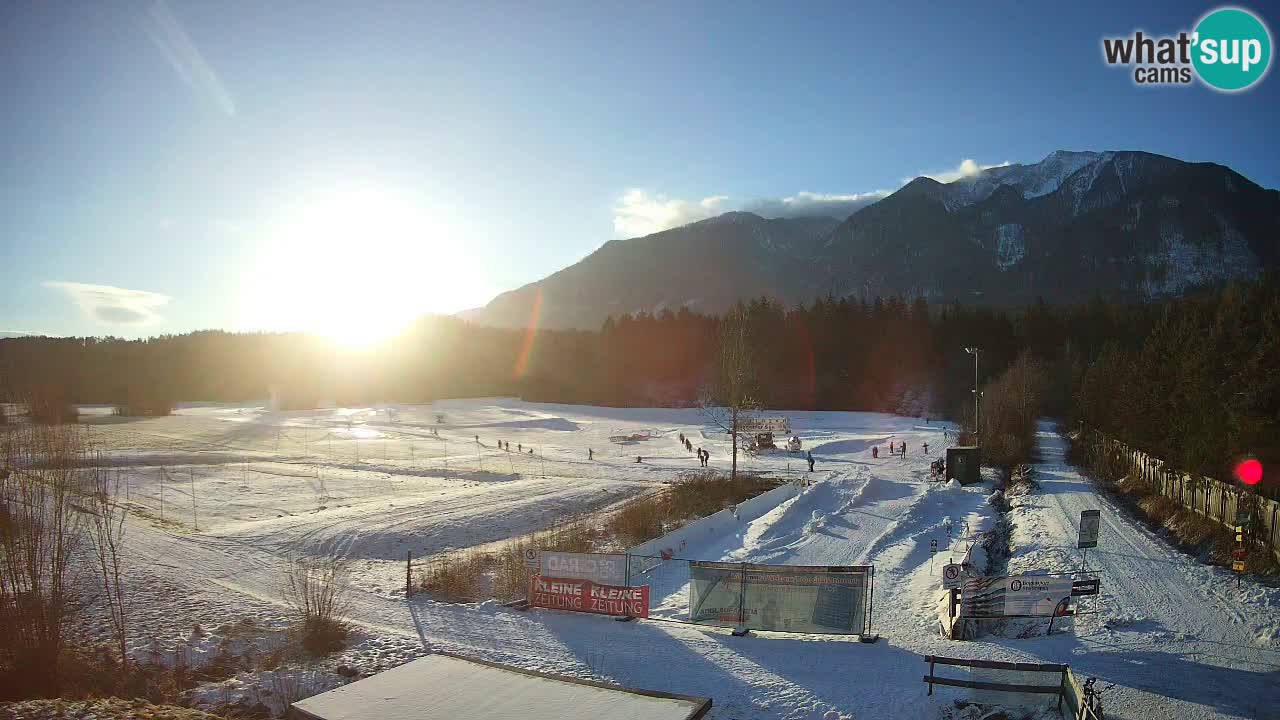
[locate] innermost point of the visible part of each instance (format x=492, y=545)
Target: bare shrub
x=701, y=493
x=696, y=494
x=51, y=406
x=455, y=577
x=318, y=592
x=107, y=541
x=639, y=520
x=1159, y=509
x=41, y=534
x=510, y=579
x=288, y=688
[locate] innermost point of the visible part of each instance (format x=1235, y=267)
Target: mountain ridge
x=1119, y=224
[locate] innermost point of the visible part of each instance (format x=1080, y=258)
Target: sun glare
x=355, y=266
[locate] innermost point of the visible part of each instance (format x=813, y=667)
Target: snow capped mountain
x=1031, y=181
x=1120, y=225
x=1123, y=225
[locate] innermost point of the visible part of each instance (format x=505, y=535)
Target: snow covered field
x=372, y=484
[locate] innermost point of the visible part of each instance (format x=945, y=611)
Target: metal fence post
x=742, y=600
x=871, y=596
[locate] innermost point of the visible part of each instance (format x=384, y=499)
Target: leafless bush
x=639, y=520
x=510, y=579
x=317, y=590
x=697, y=494
x=288, y=688
x=455, y=577
x=107, y=541
x=51, y=406
x=41, y=534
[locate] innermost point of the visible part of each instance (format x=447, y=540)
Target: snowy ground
x=1174, y=635
x=371, y=484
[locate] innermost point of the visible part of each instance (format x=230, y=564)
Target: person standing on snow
x=875, y=451
x=809, y=457
x=890, y=447
x=591, y=454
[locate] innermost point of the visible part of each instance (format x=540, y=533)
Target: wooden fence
x=1060, y=682
x=1214, y=499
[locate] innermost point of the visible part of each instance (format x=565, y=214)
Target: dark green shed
x=963, y=464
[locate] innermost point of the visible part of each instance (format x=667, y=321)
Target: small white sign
x=596, y=567
x=950, y=576
x=1089, y=522
x=764, y=424
x=531, y=560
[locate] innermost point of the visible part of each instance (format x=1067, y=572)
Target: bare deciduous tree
x=733, y=395
x=1011, y=404
x=107, y=535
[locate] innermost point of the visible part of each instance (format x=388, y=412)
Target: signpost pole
x=742, y=602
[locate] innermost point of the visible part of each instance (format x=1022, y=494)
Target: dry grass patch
x=501, y=574
x=455, y=577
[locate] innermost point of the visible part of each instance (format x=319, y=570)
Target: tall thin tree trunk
x=733, y=473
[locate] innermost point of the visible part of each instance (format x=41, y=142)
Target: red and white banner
x=586, y=596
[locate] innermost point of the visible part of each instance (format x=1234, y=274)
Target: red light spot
x=1249, y=471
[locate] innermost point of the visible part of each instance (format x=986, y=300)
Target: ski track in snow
x=1178, y=629
x=1173, y=634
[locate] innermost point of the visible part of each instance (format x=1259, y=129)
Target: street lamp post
x=974, y=352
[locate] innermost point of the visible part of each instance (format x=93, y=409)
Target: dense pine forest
x=1195, y=381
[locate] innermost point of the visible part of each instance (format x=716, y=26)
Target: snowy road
x=1175, y=635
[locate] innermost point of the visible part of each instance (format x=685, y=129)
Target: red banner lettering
x=586, y=596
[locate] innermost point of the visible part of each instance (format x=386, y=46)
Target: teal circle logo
x=1232, y=49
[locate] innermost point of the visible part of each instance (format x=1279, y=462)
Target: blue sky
x=186, y=165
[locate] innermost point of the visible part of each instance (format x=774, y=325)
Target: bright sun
x=355, y=266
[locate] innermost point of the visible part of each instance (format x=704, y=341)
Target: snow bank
x=704, y=530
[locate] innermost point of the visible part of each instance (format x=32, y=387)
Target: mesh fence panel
x=668, y=581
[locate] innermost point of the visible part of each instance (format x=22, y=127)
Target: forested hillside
x=1194, y=380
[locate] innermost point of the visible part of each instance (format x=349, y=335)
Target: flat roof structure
x=445, y=687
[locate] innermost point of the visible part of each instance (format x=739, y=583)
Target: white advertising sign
x=764, y=424
x=1016, y=596
x=1035, y=595
x=596, y=567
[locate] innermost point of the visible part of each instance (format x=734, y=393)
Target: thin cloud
x=967, y=168
x=113, y=305
x=639, y=212
x=807, y=204
x=166, y=33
